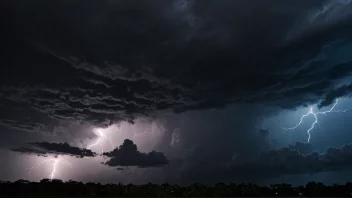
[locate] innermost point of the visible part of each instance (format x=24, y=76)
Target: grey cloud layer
x=46, y=148
x=105, y=61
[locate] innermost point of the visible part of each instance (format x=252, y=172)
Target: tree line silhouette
x=47, y=187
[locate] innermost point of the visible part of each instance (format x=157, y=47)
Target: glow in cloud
x=102, y=138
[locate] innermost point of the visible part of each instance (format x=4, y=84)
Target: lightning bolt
x=55, y=164
x=145, y=132
x=101, y=138
x=315, y=115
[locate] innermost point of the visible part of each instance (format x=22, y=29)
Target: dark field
x=58, y=188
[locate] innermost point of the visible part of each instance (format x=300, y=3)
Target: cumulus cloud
x=46, y=148
x=120, y=60
x=128, y=155
x=301, y=147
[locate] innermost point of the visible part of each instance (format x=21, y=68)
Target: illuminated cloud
x=46, y=148
x=102, y=138
x=314, y=114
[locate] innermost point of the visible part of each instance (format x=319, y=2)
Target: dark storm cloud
x=104, y=61
x=23, y=125
x=301, y=147
x=290, y=161
x=341, y=91
x=45, y=148
x=30, y=151
x=128, y=155
x=265, y=138
x=269, y=164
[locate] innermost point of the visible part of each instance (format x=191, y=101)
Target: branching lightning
x=315, y=115
x=55, y=163
x=100, y=140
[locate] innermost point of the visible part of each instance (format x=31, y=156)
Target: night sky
x=176, y=91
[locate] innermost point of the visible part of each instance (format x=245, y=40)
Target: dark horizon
x=47, y=187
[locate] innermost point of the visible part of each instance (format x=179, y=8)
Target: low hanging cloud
x=30, y=151
x=128, y=155
x=47, y=148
